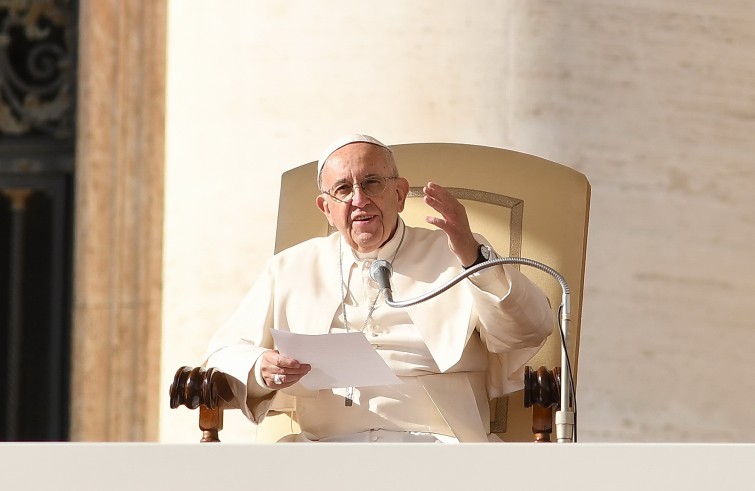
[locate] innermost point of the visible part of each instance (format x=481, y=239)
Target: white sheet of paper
x=338, y=360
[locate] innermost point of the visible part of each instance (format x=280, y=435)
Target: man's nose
x=359, y=198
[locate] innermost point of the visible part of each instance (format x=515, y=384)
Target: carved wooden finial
x=192, y=387
x=197, y=387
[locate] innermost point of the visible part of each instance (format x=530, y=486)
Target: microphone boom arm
x=565, y=416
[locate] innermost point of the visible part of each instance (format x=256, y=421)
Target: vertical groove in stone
x=119, y=217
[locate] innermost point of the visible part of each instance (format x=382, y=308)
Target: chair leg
x=542, y=423
x=210, y=422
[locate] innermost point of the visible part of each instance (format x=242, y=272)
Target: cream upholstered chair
x=524, y=205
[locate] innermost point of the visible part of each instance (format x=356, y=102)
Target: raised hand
x=453, y=221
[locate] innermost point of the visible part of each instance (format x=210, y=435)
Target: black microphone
x=381, y=271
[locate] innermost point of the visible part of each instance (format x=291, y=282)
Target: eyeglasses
x=370, y=186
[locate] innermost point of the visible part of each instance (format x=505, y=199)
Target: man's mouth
x=363, y=218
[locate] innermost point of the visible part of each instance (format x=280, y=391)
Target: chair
x=526, y=206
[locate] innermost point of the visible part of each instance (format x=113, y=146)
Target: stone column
x=118, y=220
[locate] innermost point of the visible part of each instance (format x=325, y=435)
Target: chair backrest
x=526, y=206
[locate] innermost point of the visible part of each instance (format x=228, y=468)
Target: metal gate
x=37, y=136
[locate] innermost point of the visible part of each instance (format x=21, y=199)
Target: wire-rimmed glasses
x=370, y=186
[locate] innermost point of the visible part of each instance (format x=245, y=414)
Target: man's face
x=365, y=222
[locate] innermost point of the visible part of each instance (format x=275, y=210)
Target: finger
x=278, y=377
x=434, y=204
x=451, y=216
x=433, y=195
x=438, y=222
x=285, y=362
x=445, y=204
x=272, y=359
x=434, y=189
x=445, y=211
x=438, y=193
x=299, y=370
x=282, y=381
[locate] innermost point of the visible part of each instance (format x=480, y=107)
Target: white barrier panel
x=583, y=466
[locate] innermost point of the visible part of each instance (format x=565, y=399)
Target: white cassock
x=453, y=352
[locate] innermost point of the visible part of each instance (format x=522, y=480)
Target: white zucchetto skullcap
x=342, y=142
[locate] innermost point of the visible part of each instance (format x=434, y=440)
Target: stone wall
x=653, y=101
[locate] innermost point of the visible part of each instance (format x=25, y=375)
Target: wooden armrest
x=208, y=390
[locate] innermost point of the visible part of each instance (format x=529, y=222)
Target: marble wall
x=653, y=101
x=118, y=238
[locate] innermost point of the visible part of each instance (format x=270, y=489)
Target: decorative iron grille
x=36, y=64
x=37, y=135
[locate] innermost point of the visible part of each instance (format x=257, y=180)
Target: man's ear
x=324, y=206
x=402, y=189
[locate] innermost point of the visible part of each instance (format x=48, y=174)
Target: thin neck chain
x=372, y=307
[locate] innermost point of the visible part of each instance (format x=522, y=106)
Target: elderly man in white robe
x=453, y=353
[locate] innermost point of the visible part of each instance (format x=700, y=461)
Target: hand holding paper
x=338, y=360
